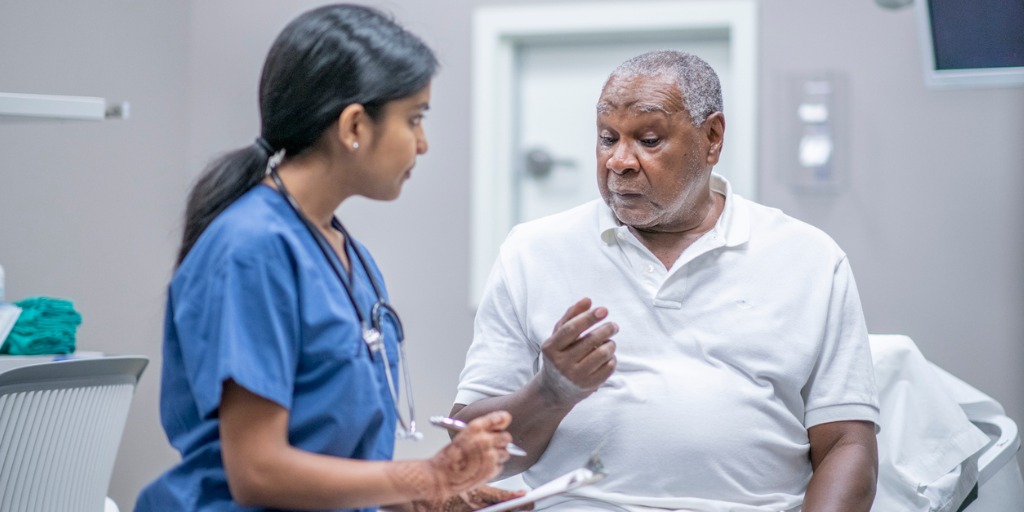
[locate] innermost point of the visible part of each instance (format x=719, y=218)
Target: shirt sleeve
x=841, y=386
x=501, y=359
x=239, y=321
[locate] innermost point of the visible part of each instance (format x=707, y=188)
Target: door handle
x=539, y=163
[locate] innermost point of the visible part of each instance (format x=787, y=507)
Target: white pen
x=455, y=425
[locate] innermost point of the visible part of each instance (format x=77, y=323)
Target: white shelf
x=60, y=107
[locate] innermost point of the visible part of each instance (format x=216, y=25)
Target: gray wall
x=931, y=215
x=91, y=210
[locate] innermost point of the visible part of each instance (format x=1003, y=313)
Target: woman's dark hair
x=323, y=61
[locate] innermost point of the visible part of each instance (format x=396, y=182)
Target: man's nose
x=623, y=159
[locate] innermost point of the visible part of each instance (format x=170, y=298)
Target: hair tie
x=265, y=146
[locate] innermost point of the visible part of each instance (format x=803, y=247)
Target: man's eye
x=416, y=120
x=606, y=140
x=650, y=141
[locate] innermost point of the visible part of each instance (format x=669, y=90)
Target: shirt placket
x=664, y=286
x=645, y=268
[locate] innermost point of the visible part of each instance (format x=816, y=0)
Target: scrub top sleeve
x=242, y=325
x=841, y=386
x=501, y=359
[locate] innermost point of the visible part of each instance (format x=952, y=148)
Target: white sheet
x=928, y=448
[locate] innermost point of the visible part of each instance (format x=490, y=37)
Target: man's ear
x=354, y=127
x=714, y=131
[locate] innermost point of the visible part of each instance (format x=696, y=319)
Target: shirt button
x=650, y=268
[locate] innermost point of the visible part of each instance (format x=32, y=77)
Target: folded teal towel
x=46, y=326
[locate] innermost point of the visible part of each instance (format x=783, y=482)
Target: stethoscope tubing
x=380, y=307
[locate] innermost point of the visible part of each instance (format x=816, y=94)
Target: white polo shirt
x=755, y=334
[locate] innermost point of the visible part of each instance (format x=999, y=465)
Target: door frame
x=499, y=30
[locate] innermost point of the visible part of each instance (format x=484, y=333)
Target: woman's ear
x=714, y=129
x=354, y=126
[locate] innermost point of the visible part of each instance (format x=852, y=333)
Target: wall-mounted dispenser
x=815, y=116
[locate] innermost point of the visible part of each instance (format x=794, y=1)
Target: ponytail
x=223, y=182
x=323, y=61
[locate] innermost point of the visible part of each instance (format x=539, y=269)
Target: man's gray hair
x=698, y=83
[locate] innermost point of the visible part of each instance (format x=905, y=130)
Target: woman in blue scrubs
x=280, y=351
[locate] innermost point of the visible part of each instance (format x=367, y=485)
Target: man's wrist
x=556, y=392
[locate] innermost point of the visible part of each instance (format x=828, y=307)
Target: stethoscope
x=371, y=327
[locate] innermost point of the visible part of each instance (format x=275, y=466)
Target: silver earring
x=355, y=145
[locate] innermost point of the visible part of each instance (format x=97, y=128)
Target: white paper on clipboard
x=572, y=480
x=9, y=314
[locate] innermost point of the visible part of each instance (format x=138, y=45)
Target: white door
x=538, y=70
x=557, y=88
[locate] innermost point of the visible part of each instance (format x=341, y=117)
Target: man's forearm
x=845, y=480
x=535, y=417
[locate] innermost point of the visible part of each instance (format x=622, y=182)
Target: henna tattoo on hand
x=459, y=466
x=445, y=482
x=416, y=479
x=465, y=463
x=467, y=501
x=452, y=504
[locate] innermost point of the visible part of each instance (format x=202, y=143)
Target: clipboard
x=591, y=472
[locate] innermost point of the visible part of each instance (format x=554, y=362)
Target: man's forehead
x=641, y=94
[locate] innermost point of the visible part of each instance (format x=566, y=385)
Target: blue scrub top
x=255, y=301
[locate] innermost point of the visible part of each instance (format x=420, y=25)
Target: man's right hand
x=576, y=364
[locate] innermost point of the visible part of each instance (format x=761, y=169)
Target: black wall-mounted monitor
x=972, y=43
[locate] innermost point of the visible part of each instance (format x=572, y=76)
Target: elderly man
x=741, y=379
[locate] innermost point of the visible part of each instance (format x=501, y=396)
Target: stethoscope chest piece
x=373, y=339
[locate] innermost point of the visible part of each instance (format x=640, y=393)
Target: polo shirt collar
x=733, y=224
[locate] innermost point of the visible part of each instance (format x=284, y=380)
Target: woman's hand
x=475, y=455
x=467, y=501
x=484, y=496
